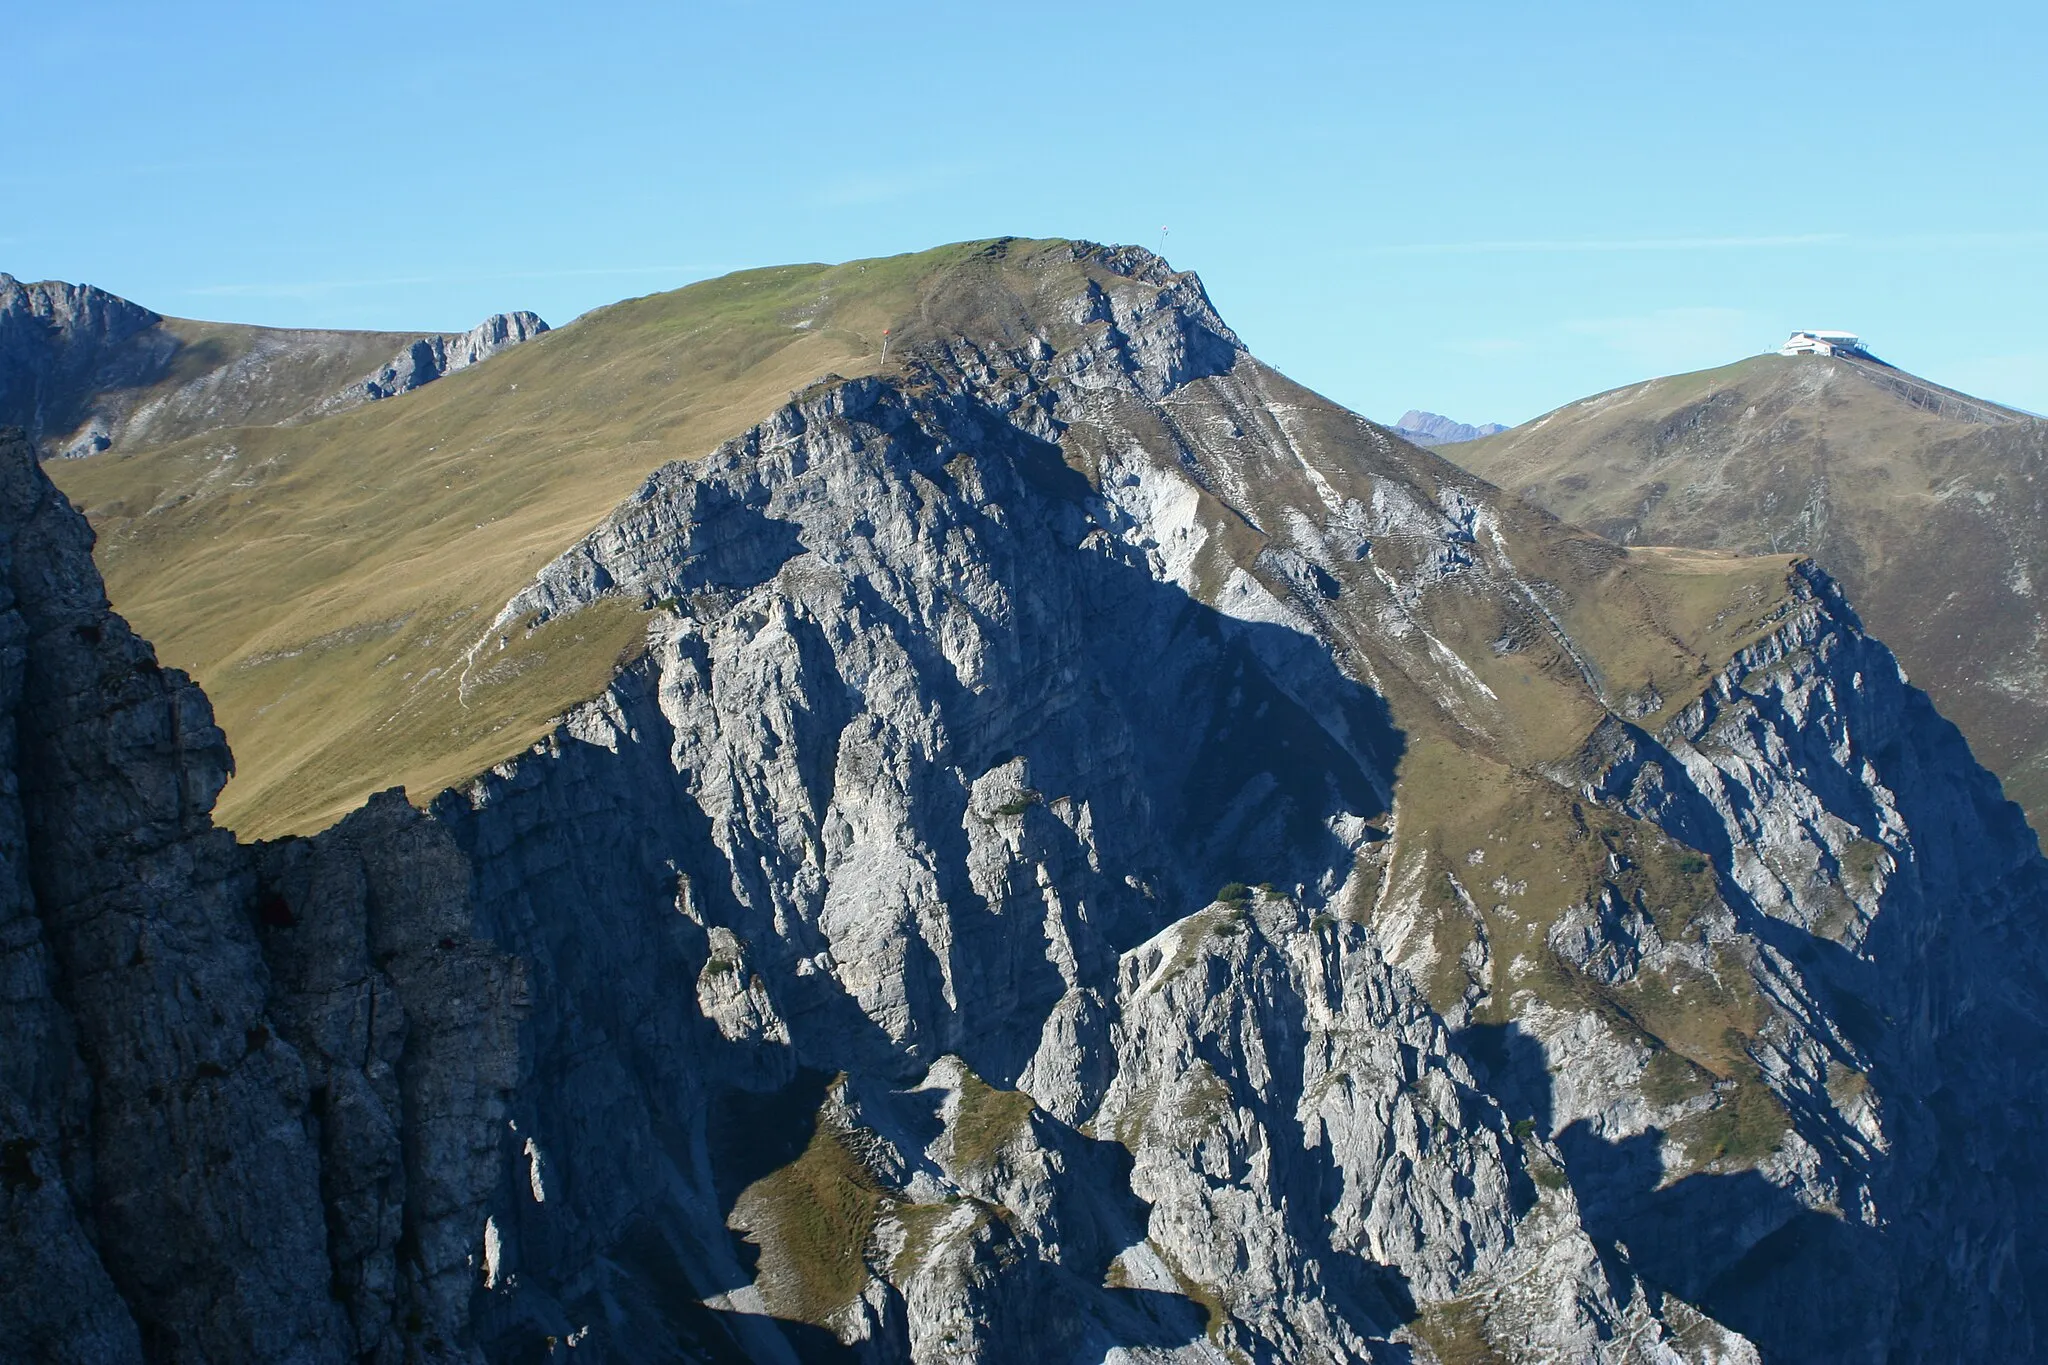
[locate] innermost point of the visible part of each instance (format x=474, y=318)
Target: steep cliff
x=1895, y=900
x=243, y=1088
x=852, y=670
x=1089, y=852
x=927, y=781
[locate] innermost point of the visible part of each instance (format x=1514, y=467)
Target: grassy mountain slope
x=227, y=374
x=329, y=582
x=1934, y=523
x=326, y=580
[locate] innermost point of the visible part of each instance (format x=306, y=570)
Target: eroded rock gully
x=852, y=981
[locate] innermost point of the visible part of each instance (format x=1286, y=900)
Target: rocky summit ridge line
x=850, y=979
x=82, y=370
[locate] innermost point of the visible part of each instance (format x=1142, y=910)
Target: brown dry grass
x=1933, y=525
x=324, y=582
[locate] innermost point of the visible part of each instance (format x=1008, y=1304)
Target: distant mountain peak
x=1434, y=429
x=82, y=369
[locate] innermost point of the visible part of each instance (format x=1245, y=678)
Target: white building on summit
x=1823, y=343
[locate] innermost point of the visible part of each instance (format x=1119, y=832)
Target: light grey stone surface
x=937, y=748
x=431, y=357
x=1895, y=900
x=850, y=981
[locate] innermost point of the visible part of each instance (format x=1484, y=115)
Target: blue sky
x=1482, y=209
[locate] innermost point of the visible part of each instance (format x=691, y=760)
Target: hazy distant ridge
x=1434, y=429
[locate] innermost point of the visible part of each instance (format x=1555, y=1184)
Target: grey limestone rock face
x=1896, y=898
x=431, y=357
x=248, y=1094
x=933, y=749
x=137, y=904
x=1268, y=1059
x=968, y=932
x=917, y=804
x=408, y=1028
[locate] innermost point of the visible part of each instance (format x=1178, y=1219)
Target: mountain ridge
x=82, y=369
x=1924, y=503
x=1065, y=845
x=1431, y=429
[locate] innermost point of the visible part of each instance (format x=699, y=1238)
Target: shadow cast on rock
x=1182, y=747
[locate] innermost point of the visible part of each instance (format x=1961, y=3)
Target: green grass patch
x=1862, y=863
x=1671, y=1080
x=1846, y=1085
x=1203, y=1096
x=988, y=1119
x=921, y=1223
x=1744, y=1127
x=1455, y=1332
x=813, y=1219
x=1216, y=1313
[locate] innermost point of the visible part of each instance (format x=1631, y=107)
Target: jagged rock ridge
x=1431, y=429
x=1819, y=1149
x=82, y=370
x=953, y=842
x=884, y=997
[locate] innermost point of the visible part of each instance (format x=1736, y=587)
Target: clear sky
x=1481, y=209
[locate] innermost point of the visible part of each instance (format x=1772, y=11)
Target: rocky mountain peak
x=80, y=312
x=1429, y=429
x=60, y=344
x=1906, y=491
x=1070, y=845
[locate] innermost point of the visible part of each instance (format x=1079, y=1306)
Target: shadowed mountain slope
x=1931, y=508
x=1067, y=845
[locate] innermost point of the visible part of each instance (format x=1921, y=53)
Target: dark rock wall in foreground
x=242, y=1089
